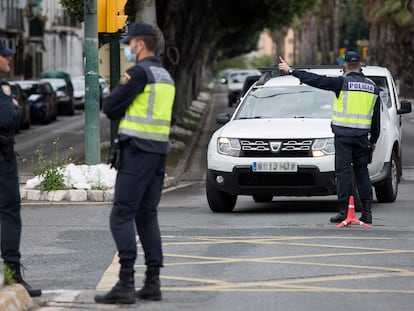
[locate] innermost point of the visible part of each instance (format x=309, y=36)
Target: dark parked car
x=42, y=99
x=64, y=96
x=24, y=107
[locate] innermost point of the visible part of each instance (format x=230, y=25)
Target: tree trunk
x=335, y=29
x=146, y=13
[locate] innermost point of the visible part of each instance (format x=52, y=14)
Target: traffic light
x=111, y=16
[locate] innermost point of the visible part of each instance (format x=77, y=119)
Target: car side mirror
x=223, y=118
x=223, y=81
x=405, y=107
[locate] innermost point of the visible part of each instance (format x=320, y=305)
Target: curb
x=76, y=195
x=107, y=196
x=15, y=298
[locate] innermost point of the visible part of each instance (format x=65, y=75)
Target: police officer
x=356, y=113
x=10, y=220
x=143, y=101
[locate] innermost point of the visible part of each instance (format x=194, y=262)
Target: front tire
x=387, y=190
x=219, y=201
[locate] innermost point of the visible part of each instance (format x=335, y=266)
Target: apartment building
x=44, y=37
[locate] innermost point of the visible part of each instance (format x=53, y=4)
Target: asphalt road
x=67, y=131
x=283, y=255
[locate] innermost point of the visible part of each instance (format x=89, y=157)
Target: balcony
x=14, y=19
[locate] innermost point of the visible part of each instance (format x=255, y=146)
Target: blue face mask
x=128, y=55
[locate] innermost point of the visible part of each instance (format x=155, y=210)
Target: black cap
x=352, y=57
x=5, y=51
x=139, y=29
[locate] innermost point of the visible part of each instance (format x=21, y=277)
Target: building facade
x=44, y=37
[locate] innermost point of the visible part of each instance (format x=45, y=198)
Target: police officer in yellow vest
x=143, y=101
x=356, y=113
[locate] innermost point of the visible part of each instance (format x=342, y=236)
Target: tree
x=391, y=39
x=199, y=32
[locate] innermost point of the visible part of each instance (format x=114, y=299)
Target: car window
x=30, y=88
x=382, y=83
x=287, y=102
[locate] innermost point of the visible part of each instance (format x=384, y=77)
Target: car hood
x=78, y=93
x=277, y=128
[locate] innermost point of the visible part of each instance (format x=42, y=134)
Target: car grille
x=276, y=148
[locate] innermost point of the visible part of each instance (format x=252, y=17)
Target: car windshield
x=30, y=88
x=57, y=84
x=239, y=77
x=287, y=102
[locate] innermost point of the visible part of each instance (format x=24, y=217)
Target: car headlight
x=323, y=146
x=228, y=146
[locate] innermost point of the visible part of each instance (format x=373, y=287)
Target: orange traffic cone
x=351, y=216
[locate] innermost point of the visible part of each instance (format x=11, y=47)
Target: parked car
x=61, y=75
x=79, y=92
x=64, y=96
x=42, y=100
x=234, y=80
x=279, y=142
x=24, y=107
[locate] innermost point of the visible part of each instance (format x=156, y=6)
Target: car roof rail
x=268, y=73
x=272, y=72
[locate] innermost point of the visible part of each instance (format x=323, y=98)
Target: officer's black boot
x=15, y=269
x=343, y=212
x=366, y=215
x=123, y=292
x=151, y=289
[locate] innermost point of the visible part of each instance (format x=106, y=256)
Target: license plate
x=275, y=167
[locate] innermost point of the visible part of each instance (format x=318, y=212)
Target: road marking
x=62, y=299
x=408, y=174
x=329, y=283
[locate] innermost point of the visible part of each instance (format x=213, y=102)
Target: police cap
x=352, y=57
x=5, y=51
x=139, y=29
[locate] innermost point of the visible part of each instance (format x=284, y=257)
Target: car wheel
x=263, y=198
x=70, y=108
x=387, y=190
x=27, y=124
x=46, y=116
x=230, y=98
x=219, y=201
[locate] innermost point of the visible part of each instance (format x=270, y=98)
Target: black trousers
x=351, y=156
x=10, y=219
x=138, y=189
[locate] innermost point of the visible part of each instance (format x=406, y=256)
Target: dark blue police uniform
x=11, y=224
x=351, y=144
x=140, y=176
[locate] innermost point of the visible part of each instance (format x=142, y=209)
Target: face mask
x=128, y=55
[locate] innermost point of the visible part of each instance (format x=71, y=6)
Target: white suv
x=279, y=142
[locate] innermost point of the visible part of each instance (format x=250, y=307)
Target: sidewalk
x=15, y=297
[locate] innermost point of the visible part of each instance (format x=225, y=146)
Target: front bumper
x=307, y=181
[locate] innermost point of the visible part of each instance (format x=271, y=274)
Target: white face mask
x=128, y=55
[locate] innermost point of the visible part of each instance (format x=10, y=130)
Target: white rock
x=82, y=177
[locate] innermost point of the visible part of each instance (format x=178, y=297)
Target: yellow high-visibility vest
x=354, y=106
x=149, y=115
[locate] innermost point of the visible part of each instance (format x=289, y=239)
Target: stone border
x=15, y=297
x=76, y=195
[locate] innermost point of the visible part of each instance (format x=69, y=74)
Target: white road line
x=61, y=299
